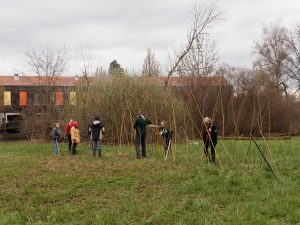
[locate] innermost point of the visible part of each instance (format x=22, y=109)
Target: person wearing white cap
x=210, y=139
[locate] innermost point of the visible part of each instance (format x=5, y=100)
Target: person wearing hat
x=75, y=136
x=140, y=126
x=210, y=139
x=97, y=130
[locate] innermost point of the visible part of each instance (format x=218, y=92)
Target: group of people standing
x=96, y=131
x=209, y=137
x=73, y=134
x=140, y=126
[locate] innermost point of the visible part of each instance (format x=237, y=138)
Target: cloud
x=124, y=30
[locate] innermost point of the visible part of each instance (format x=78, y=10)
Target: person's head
x=75, y=124
x=163, y=123
x=207, y=121
x=70, y=121
x=57, y=125
x=97, y=118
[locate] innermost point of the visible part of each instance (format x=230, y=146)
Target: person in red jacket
x=68, y=133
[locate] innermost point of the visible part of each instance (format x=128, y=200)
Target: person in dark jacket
x=97, y=130
x=166, y=135
x=55, y=138
x=68, y=133
x=210, y=139
x=140, y=126
x=90, y=130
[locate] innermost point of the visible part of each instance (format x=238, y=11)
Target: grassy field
x=38, y=188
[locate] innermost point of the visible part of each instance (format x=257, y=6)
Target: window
x=7, y=98
x=38, y=115
x=59, y=98
x=36, y=99
x=72, y=98
x=23, y=98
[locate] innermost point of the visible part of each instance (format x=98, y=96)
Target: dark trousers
x=212, y=156
x=166, y=145
x=140, y=139
x=70, y=141
x=73, y=149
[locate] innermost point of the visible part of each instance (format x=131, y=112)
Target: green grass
x=38, y=188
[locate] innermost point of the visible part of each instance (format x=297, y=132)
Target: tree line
x=262, y=100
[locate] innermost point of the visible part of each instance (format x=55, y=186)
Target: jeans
x=140, y=139
x=96, y=148
x=56, y=148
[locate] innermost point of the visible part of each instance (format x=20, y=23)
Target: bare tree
x=47, y=65
x=201, y=60
x=272, y=55
x=88, y=71
x=292, y=65
x=203, y=17
x=151, y=66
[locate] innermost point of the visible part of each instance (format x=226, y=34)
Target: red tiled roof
x=71, y=81
x=184, y=81
x=37, y=81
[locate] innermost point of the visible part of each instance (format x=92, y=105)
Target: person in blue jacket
x=56, y=138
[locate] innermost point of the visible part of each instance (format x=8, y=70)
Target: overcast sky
x=125, y=29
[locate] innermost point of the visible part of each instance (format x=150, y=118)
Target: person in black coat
x=97, y=129
x=166, y=135
x=210, y=139
x=140, y=126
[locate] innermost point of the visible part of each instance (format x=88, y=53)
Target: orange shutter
x=23, y=98
x=59, y=98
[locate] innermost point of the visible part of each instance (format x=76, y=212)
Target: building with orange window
x=20, y=92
